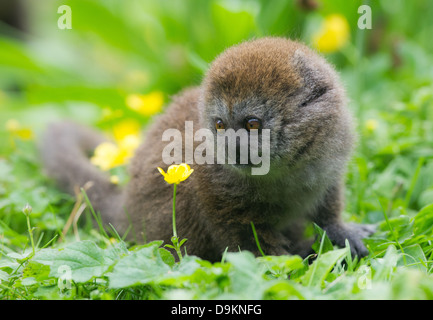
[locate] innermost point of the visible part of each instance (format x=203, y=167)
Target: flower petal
x=161, y=171
x=176, y=173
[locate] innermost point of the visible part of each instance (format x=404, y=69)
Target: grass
x=389, y=179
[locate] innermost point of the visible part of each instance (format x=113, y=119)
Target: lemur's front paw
x=354, y=233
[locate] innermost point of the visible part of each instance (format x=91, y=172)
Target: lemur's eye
x=253, y=123
x=219, y=124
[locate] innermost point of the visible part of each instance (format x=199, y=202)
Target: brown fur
x=297, y=95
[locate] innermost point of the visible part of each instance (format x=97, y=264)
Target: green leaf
x=36, y=270
x=241, y=18
x=423, y=221
x=322, y=266
x=167, y=257
x=384, y=267
x=13, y=54
x=247, y=281
x=84, y=259
x=280, y=266
x=327, y=244
x=140, y=267
x=188, y=271
x=399, y=228
x=3, y=276
x=283, y=290
x=415, y=257
x=426, y=197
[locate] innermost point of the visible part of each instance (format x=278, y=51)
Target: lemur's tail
x=65, y=147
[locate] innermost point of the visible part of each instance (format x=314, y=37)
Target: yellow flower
x=333, y=35
x=128, y=145
x=126, y=128
x=14, y=127
x=146, y=104
x=176, y=173
x=114, y=179
x=371, y=125
x=108, y=155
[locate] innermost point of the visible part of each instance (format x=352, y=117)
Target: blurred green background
x=118, y=48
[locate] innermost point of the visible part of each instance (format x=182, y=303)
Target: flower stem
x=174, y=211
x=27, y=210
x=175, y=239
x=29, y=227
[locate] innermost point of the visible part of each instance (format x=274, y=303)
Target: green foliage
x=116, y=48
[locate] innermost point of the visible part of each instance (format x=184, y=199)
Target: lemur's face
x=282, y=86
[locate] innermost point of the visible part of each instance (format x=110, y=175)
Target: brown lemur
x=269, y=83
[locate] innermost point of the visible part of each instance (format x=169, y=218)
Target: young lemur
x=283, y=86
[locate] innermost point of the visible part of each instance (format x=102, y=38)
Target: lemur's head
x=283, y=86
